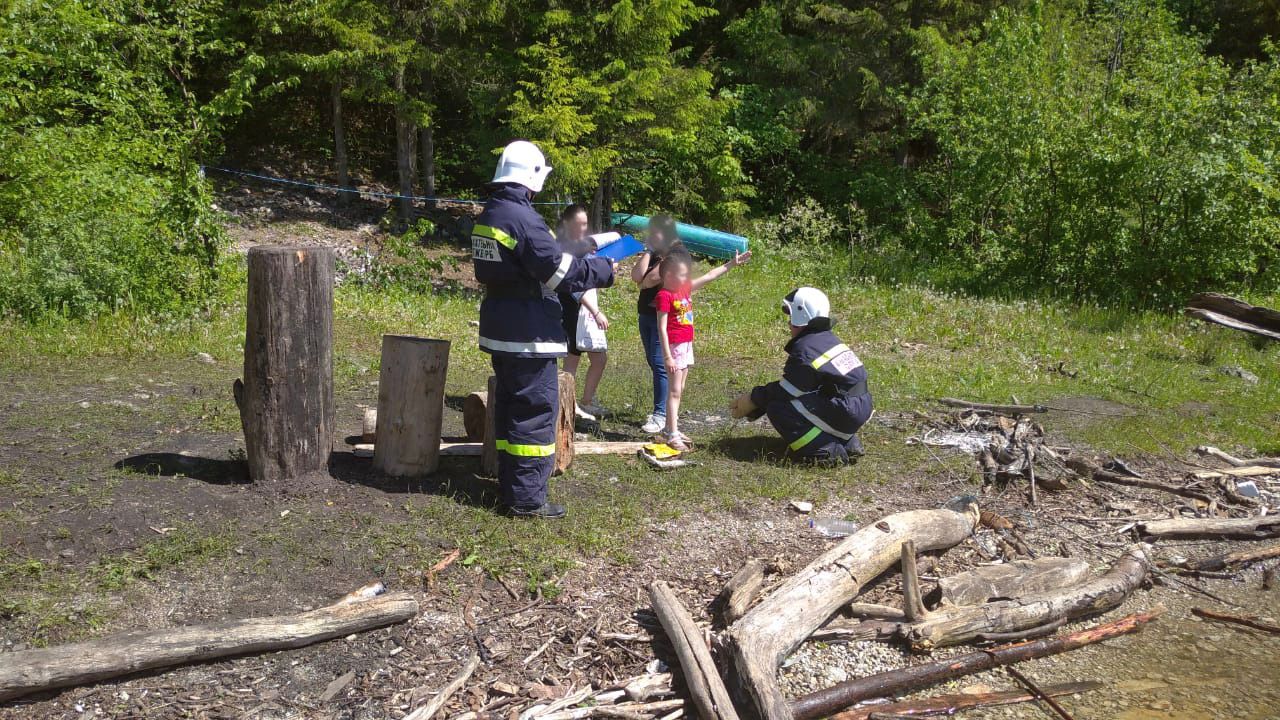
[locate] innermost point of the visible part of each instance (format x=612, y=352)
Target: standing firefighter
x=822, y=399
x=520, y=264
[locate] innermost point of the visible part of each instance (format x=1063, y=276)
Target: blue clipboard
x=621, y=249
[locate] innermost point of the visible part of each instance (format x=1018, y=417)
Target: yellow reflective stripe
x=827, y=356
x=526, y=450
x=495, y=234
x=805, y=439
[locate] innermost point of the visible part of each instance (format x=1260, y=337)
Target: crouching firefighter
x=822, y=399
x=519, y=263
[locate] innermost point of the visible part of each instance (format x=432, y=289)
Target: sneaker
x=548, y=511
x=654, y=424
x=582, y=414
x=596, y=409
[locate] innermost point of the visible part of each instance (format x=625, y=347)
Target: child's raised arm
x=717, y=272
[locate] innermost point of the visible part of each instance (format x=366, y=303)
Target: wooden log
x=914, y=677
x=1086, y=469
x=489, y=456
x=951, y=704
x=565, y=423
x=1235, y=461
x=758, y=643
x=1239, y=557
x=1008, y=580
x=286, y=395
x=648, y=687
x=1249, y=528
x=88, y=662
x=473, y=449
x=960, y=624
x=1246, y=471
x=410, y=405
x=475, y=411
x=428, y=711
x=369, y=426
x=1237, y=620
x=1235, y=314
x=912, y=597
x=741, y=590
x=700, y=674
x=993, y=408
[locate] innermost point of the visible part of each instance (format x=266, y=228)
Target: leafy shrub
x=1097, y=156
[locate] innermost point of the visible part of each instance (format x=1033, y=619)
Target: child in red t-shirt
x=675, y=330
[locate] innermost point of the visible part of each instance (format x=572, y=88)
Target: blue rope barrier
x=336, y=188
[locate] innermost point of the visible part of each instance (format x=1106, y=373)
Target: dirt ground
x=126, y=460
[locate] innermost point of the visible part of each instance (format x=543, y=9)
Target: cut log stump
x=88, y=662
x=286, y=394
x=565, y=422
x=475, y=410
x=489, y=454
x=410, y=405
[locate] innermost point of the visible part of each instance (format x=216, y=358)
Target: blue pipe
x=703, y=241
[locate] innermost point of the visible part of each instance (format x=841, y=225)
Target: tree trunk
x=410, y=405
x=606, y=200
x=760, y=641
x=594, y=219
x=340, y=144
x=700, y=673
x=489, y=454
x=958, y=625
x=1250, y=528
x=427, y=147
x=475, y=411
x=286, y=396
x=404, y=151
x=915, y=677
x=565, y=423
x=88, y=662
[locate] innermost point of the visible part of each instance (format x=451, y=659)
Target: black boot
x=854, y=448
x=548, y=511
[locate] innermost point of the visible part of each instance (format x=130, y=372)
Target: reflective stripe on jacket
x=521, y=266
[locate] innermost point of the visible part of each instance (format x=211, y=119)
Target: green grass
x=1160, y=377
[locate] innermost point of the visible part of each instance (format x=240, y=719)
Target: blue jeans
x=653, y=353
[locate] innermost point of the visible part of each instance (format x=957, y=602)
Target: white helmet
x=524, y=164
x=805, y=304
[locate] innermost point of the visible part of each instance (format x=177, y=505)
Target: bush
x=1097, y=156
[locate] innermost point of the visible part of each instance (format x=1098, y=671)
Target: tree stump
x=475, y=413
x=410, y=405
x=564, y=423
x=286, y=395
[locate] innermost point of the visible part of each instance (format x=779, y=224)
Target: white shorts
x=682, y=355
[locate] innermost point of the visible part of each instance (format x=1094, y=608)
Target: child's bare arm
x=718, y=272
x=592, y=308
x=666, y=341
x=641, y=268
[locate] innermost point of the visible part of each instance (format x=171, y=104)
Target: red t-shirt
x=679, y=309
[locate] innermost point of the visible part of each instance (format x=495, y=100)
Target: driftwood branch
x=1239, y=557
x=957, y=625
x=700, y=674
x=428, y=711
x=1235, y=461
x=1242, y=471
x=988, y=407
x=1106, y=476
x=1250, y=528
x=87, y=662
x=759, y=642
x=912, y=599
x=1237, y=620
x=741, y=590
x=915, y=677
x=951, y=704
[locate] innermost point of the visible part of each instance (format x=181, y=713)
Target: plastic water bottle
x=834, y=527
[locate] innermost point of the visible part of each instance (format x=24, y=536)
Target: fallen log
x=93, y=660
x=700, y=674
x=1086, y=469
x=951, y=704
x=915, y=677
x=1009, y=580
x=1239, y=557
x=758, y=643
x=741, y=590
x=1244, y=471
x=988, y=407
x=1250, y=528
x=1236, y=619
x=1235, y=461
x=428, y=711
x=959, y=624
x=1235, y=314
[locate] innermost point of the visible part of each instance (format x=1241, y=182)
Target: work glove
x=742, y=406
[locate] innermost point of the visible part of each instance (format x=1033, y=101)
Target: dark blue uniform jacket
x=823, y=381
x=521, y=266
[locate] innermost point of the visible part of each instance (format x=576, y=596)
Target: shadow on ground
x=168, y=464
